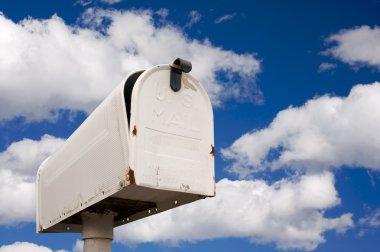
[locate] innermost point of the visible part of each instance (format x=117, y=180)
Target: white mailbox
x=148, y=147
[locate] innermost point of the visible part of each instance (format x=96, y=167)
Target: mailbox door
x=171, y=133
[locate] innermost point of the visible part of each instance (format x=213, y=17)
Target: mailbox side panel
x=89, y=167
x=172, y=141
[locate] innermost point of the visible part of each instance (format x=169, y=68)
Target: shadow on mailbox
x=148, y=147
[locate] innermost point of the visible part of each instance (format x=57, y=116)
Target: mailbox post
x=147, y=148
x=97, y=232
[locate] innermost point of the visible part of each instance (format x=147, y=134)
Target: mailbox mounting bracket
x=178, y=66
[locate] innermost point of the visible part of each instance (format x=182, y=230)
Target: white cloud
x=373, y=220
x=18, y=166
x=163, y=13
x=325, y=66
x=194, y=17
x=225, y=18
x=24, y=157
x=88, y=2
x=78, y=246
x=83, y=2
x=325, y=132
x=357, y=46
x=111, y=1
x=46, y=65
x=288, y=213
x=370, y=222
x=17, y=197
x=26, y=246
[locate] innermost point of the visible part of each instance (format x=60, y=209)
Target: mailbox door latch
x=178, y=66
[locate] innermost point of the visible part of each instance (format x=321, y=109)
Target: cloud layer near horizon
x=288, y=213
x=26, y=247
x=326, y=132
x=47, y=65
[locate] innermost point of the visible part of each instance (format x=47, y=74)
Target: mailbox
x=148, y=147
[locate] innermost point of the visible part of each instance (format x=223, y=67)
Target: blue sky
x=296, y=95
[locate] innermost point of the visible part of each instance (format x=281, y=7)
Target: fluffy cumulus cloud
x=78, y=246
x=357, y=46
x=325, y=132
x=288, y=213
x=24, y=157
x=18, y=166
x=47, y=65
x=26, y=246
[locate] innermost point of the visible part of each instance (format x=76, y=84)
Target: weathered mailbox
x=148, y=147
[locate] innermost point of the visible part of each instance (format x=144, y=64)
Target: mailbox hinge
x=178, y=66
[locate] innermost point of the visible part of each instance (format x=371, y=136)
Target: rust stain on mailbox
x=212, y=152
x=131, y=177
x=134, y=131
